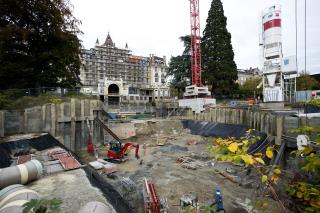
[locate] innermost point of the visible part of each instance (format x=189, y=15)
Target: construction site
x=140, y=163
x=193, y=154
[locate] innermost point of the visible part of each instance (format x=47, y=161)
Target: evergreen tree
x=38, y=44
x=219, y=68
x=180, y=67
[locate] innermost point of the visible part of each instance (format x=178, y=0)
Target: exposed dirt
x=172, y=180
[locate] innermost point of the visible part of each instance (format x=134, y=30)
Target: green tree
x=180, y=68
x=306, y=82
x=38, y=44
x=219, y=68
x=250, y=87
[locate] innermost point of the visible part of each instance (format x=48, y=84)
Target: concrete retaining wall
x=65, y=121
x=264, y=121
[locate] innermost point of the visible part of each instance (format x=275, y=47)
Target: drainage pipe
x=20, y=174
x=14, y=197
x=94, y=207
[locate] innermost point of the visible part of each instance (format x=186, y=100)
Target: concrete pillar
x=25, y=121
x=267, y=124
x=251, y=120
x=258, y=119
x=214, y=115
x=2, y=123
x=53, y=120
x=43, y=111
x=241, y=120
x=220, y=115
x=73, y=124
x=223, y=116
x=279, y=129
x=238, y=120
x=228, y=116
x=62, y=124
x=208, y=115
x=83, y=139
x=234, y=116
x=262, y=122
x=217, y=115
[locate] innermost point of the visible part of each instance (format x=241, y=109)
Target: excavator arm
x=127, y=145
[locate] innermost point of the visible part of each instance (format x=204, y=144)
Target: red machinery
x=117, y=151
x=151, y=198
x=195, y=43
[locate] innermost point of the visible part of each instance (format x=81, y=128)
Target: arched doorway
x=113, y=89
x=113, y=94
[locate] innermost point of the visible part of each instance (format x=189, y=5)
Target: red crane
x=195, y=43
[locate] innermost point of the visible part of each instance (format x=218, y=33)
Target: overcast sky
x=154, y=26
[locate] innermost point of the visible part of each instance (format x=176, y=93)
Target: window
x=156, y=77
x=133, y=90
x=162, y=79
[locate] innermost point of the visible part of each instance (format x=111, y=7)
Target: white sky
x=154, y=26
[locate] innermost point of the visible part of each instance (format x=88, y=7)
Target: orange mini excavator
x=117, y=151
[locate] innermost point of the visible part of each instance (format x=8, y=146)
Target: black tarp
x=309, y=108
x=219, y=130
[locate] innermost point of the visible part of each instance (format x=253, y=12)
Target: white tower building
x=278, y=81
x=271, y=43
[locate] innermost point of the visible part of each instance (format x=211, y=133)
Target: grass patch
x=10, y=101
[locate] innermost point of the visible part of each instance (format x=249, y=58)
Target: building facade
x=247, y=74
x=118, y=76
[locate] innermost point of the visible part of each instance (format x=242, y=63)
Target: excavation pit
x=171, y=155
x=178, y=163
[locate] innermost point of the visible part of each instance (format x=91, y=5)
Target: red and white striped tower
x=271, y=43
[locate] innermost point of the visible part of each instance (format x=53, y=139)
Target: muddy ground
x=165, y=141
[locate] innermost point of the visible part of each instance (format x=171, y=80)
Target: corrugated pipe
x=13, y=197
x=94, y=207
x=20, y=174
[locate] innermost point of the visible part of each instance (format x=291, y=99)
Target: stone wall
x=65, y=121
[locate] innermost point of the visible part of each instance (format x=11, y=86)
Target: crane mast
x=196, y=96
x=195, y=43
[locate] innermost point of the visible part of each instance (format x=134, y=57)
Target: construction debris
x=192, y=142
x=189, y=201
x=189, y=163
x=109, y=168
x=65, y=158
x=96, y=165
x=23, y=158
x=226, y=176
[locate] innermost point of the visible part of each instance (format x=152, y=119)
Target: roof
x=108, y=41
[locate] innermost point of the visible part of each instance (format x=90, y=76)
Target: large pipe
x=94, y=207
x=12, y=198
x=20, y=174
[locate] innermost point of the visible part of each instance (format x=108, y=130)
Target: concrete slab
x=72, y=187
